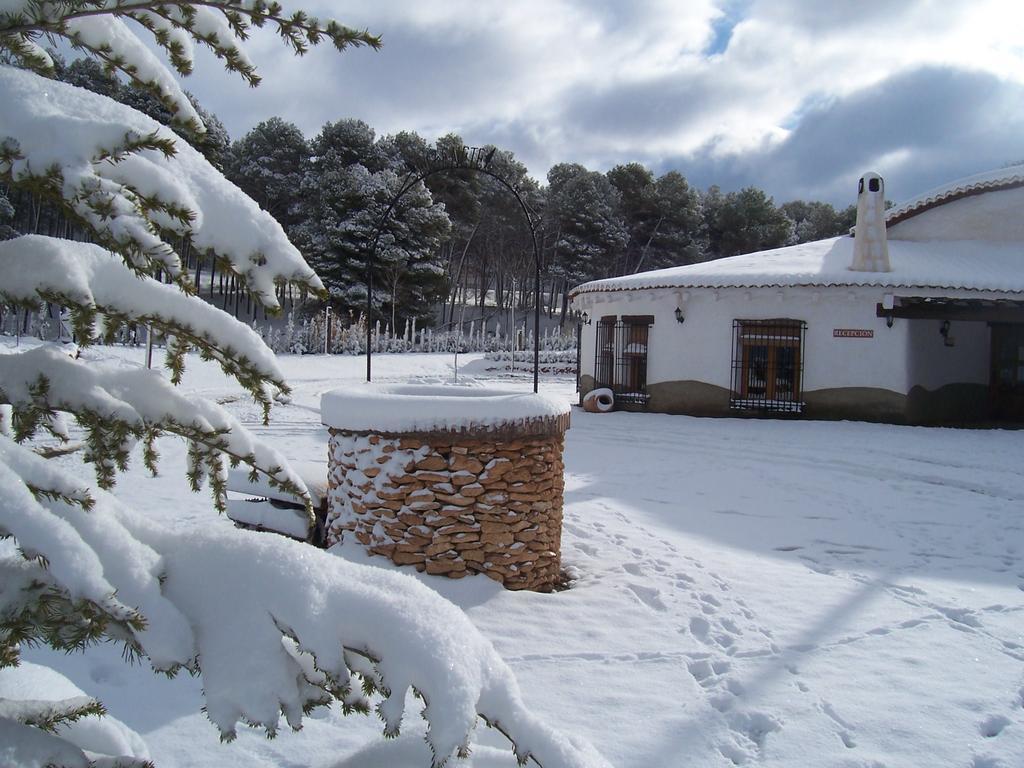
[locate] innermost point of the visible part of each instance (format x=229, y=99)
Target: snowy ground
x=748, y=593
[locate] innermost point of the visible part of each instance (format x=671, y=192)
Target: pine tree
x=635, y=185
x=678, y=239
x=814, y=220
x=268, y=164
x=502, y=248
x=662, y=216
x=743, y=222
x=6, y=214
x=85, y=568
x=584, y=210
x=349, y=185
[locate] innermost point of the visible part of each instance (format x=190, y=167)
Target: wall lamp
x=888, y=304
x=679, y=315
x=585, y=318
x=948, y=340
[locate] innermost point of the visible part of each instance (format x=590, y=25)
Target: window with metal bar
x=604, y=355
x=631, y=361
x=767, y=365
x=620, y=358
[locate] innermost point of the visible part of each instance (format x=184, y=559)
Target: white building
x=919, y=319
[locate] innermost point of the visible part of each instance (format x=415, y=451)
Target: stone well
x=452, y=480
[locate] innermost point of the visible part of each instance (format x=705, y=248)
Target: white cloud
x=607, y=81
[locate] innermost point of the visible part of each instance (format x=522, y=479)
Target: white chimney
x=870, y=246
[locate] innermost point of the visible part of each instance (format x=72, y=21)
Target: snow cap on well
x=424, y=408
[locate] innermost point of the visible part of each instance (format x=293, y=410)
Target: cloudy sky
x=797, y=97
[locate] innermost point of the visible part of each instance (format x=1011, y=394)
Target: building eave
x=893, y=285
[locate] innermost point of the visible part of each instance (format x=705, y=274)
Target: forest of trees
x=460, y=237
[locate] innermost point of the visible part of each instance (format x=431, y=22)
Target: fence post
x=327, y=330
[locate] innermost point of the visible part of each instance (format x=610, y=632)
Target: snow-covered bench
x=269, y=509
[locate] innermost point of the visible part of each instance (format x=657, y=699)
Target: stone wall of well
x=454, y=503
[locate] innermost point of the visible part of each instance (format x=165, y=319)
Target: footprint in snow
x=706, y=671
x=987, y=761
x=730, y=626
x=963, y=616
x=649, y=596
x=749, y=732
x=904, y=589
x=755, y=726
x=700, y=669
x=586, y=549
x=726, y=642
x=107, y=674
x=700, y=627
x=993, y=725
x=735, y=754
x=816, y=566
x=845, y=732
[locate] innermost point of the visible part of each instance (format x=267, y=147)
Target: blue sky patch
x=733, y=12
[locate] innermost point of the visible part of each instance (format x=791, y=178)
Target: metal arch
x=463, y=159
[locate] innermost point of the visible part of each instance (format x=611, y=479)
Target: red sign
x=852, y=333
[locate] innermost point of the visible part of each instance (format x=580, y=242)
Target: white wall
x=828, y=361
x=991, y=216
x=663, y=334
x=701, y=348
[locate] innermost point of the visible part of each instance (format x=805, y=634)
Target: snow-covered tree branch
x=96, y=27
x=314, y=626
x=274, y=627
x=130, y=180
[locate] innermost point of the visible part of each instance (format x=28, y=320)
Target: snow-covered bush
x=348, y=337
x=77, y=566
x=562, y=361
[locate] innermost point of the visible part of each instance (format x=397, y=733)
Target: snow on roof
x=967, y=265
x=1003, y=178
